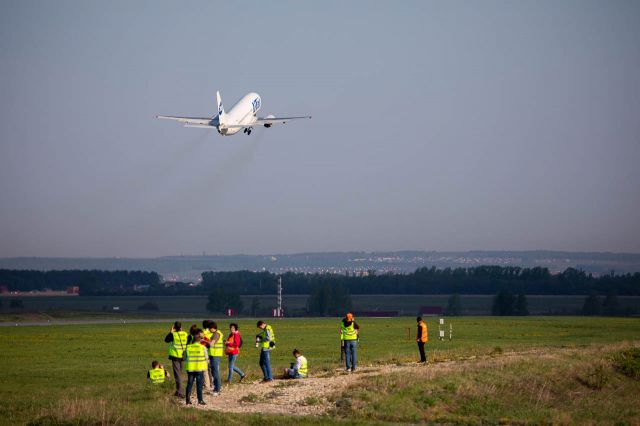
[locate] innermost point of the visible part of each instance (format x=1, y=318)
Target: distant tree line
x=90, y=282
x=476, y=280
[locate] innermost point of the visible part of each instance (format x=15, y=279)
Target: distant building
x=430, y=311
x=4, y=289
x=73, y=290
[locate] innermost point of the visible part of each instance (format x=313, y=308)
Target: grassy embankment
x=525, y=369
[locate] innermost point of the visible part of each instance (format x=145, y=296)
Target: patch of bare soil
x=306, y=397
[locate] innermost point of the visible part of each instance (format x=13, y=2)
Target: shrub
x=628, y=362
x=596, y=377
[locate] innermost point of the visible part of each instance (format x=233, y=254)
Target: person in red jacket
x=233, y=344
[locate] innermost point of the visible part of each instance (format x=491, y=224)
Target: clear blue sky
x=436, y=125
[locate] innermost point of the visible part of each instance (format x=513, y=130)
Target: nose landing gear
x=247, y=130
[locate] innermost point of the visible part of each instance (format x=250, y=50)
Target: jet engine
x=268, y=117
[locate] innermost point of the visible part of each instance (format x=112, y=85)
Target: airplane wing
x=278, y=120
x=266, y=121
x=187, y=120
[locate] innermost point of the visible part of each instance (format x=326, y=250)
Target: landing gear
x=248, y=131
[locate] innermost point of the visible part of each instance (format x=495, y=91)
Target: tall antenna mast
x=280, y=313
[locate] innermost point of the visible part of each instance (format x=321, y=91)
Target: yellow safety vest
x=207, y=333
x=265, y=344
x=217, y=349
x=195, y=358
x=348, y=333
x=177, y=347
x=303, y=366
x=157, y=375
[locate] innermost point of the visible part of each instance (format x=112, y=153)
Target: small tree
x=591, y=305
x=522, y=307
x=328, y=299
x=221, y=300
x=16, y=304
x=454, y=306
x=255, y=306
x=148, y=306
x=503, y=303
x=610, y=305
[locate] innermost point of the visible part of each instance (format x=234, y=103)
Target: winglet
x=220, y=108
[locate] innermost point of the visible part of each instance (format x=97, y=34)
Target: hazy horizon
x=436, y=126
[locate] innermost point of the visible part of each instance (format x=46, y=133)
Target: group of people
x=199, y=352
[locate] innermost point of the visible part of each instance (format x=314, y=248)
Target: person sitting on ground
x=298, y=369
x=157, y=374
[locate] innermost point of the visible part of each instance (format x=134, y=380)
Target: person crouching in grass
x=299, y=369
x=196, y=366
x=157, y=374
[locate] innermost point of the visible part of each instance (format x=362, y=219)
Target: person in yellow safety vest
x=157, y=373
x=299, y=369
x=422, y=337
x=349, y=334
x=177, y=340
x=196, y=365
x=216, y=352
x=266, y=341
x=206, y=335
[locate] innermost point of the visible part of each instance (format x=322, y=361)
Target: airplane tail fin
x=220, y=108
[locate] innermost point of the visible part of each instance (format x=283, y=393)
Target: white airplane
x=241, y=116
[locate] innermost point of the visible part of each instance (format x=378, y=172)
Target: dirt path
x=310, y=397
x=290, y=397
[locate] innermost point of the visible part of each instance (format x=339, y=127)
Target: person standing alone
x=349, y=333
x=422, y=337
x=177, y=340
x=266, y=341
x=233, y=345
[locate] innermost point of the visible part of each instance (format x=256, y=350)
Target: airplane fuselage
x=244, y=112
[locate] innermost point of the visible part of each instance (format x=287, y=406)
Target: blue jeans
x=214, y=365
x=350, y=353
x=232, y=367
x=198, y=376
x=294, y=374
x=265, y=364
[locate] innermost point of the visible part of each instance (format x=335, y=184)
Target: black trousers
x=423, y=357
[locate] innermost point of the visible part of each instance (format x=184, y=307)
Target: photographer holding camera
x=266, y=341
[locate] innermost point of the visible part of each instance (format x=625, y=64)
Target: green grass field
x=529, y=369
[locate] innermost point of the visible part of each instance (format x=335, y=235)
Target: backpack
x=240, y=341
